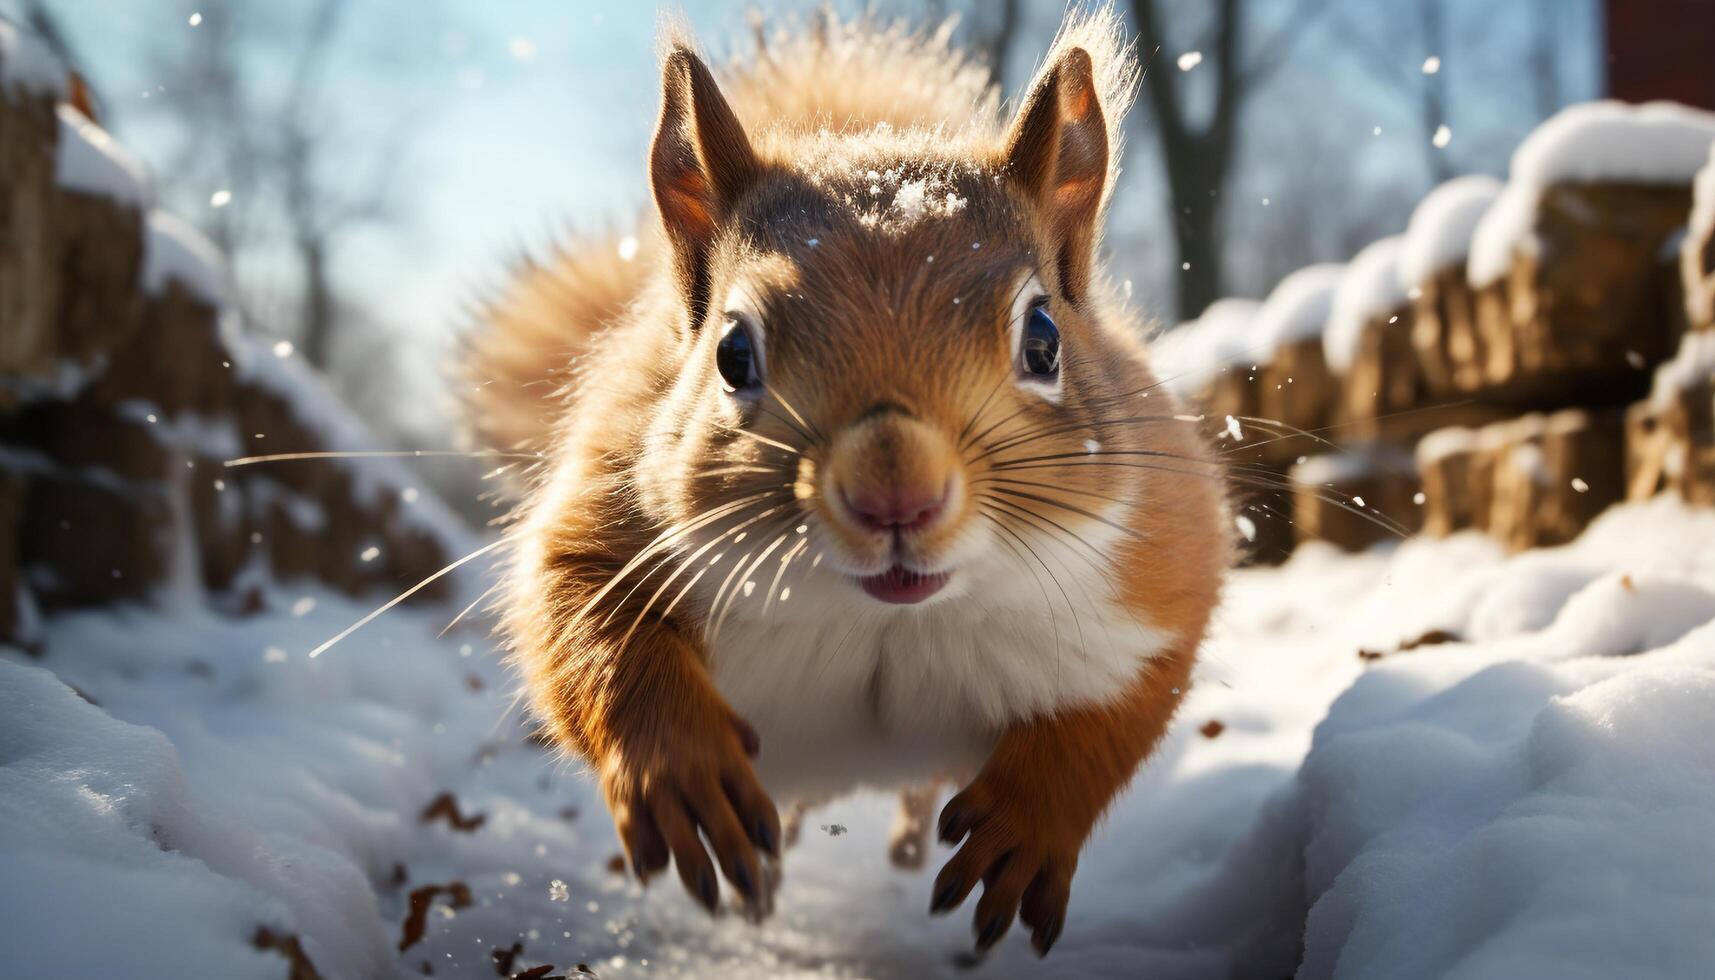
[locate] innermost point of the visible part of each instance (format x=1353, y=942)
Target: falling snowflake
x=1443, y=136
x=557, y=891
x=1431, y=65
x=1190, y=60
x=1246, y=526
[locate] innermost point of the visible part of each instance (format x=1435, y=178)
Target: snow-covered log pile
x=1365, y=493
x=1295, y=386
x=1432, y=268
x=1533, y=481
x=125, y=388
x=1574, y=264
x=1670, y=437
x=1697, y=252
x=1562, y=289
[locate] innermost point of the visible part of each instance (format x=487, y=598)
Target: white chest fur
x=847, y=692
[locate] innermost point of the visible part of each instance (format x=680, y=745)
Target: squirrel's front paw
x=661, y=797
x=1022, y=851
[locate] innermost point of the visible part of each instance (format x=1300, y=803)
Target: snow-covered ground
x=1531, y=796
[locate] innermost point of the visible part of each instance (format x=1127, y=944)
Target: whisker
x=379, y=454
x=686, y=561
x=785, y=560
x=1076, y=510
x=732, y=597
x=766, y=441
x=1048, y=603
x=491, y=590
x=664, y=539
x=408, y=593
x=1251, y=480
x=982, y=410
x=806, y=423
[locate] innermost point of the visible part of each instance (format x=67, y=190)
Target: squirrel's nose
x=896, y=508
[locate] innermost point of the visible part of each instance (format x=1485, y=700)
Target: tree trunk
x=316, y=333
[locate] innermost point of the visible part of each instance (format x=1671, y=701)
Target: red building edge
x=1661, y=49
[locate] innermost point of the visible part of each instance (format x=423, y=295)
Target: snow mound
x=1506, y=822
x=173, y=251
x=1527, y=795
x=1299, y=306
x=1370, y=287
x=91, y=162
x=1441, y=228
x=1595, y=142
x=1188, y=357
x=27, y=65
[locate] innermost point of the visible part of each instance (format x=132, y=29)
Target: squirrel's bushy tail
x=516, y=363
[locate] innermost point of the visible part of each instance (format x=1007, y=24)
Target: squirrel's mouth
x=902, y=586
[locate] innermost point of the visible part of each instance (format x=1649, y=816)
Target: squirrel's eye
x=735, y=357
x=1039, y=347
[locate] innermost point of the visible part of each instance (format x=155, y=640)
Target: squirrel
x=853, y=470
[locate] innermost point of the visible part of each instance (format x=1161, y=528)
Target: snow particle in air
x=522, y=49
x=409, y=495
x=196, y=20
x=273, y=655
x=370, y=553
x=1443, y=136
x=1418, y=498
x=304, y=606
x=1431, y=65
x=283, y=349
x=220, y=199
x=557, y=891
x=1246, y=526
x=1190, y=60
x=628, y=248
x=1579, y=485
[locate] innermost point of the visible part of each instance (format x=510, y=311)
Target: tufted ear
x=1057, y=155
x=699, y=164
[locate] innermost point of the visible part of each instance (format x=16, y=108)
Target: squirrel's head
x=896, y=357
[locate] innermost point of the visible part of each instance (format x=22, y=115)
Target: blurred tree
x=1414, y=64
x=284, y=175
x=1197, y=158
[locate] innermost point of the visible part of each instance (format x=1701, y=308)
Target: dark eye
x=1039, y=349
x=735, y=357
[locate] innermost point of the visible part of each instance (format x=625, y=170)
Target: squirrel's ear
x=699, y=163
x=1057, y=155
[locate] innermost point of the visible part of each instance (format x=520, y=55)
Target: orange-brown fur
x=888, y=371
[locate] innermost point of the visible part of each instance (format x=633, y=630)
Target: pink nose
x=896, y=508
